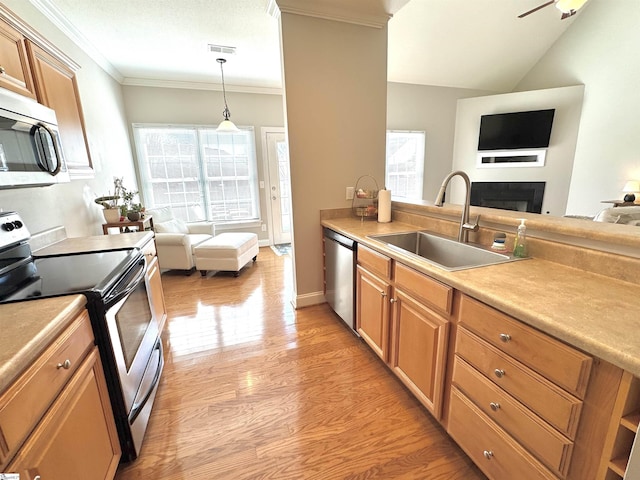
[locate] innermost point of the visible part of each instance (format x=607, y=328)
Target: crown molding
x=55, y=16
x=147, y=82
x=327, y=12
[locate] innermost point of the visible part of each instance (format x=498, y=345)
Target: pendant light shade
x=226, y=125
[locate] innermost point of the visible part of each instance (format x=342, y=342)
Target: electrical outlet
x=350, y=193
x=264, y=227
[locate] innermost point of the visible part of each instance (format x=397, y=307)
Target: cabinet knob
x=499, y=372
x=392, y=300
x=384, y=294
x=37, y=477
x=66, y=365
x=488, y=454
x=494, y=406
x=505, y=337
x=2, y=70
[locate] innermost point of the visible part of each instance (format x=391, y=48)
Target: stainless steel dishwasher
x=340, y=264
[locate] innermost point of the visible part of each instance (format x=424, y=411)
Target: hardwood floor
x=253, y=389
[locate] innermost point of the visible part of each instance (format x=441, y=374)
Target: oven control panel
x=12, y=229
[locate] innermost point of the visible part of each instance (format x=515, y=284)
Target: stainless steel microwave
x=30, y=149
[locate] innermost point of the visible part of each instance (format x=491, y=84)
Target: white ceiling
x=479, y=44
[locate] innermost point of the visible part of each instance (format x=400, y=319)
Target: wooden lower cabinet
x=491, y=449
x=418, y=350
x=77, y=436
x=372, y=311
x=522, y=404
x=405, y=323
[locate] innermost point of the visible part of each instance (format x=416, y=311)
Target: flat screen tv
x=508, y=131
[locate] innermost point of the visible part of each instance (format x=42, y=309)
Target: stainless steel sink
x=442, y=252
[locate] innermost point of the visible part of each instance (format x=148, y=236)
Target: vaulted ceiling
x=479, y=44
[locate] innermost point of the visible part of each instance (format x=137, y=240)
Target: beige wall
x=204, y=107
x=72, y=204
x=335, y=100
x=600, y=50
x=432, y=110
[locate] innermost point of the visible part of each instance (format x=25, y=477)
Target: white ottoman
x=227, y=252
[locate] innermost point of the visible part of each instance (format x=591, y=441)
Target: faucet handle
x=474, y=227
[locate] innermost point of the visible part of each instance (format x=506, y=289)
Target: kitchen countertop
x=98, y=243
x=597, y=314
x=28, y=328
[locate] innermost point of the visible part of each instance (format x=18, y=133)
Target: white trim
x=540, y=155
x=335, y=14
x=55, y=16
x=264, y=131
x=149, y=82
x=308, y=300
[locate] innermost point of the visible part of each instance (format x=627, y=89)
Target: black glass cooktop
x=65, y=275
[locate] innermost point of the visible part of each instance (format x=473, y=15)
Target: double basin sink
x=441, y=252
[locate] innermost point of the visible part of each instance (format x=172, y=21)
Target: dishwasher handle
x=338, y=238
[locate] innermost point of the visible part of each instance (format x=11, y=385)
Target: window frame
x=199, y=131
x=418, y=173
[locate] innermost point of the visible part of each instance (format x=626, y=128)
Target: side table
x=126, y=225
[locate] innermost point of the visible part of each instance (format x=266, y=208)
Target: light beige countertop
x=97, y=243
x=597, y=314
x=28, y=328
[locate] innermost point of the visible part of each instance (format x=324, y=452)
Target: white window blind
x=405, y=163
x=200, y=173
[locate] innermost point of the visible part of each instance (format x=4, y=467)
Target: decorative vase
x=111, y=215
x=133, y=216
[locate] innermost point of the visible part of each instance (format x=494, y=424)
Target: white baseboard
x=308, y=299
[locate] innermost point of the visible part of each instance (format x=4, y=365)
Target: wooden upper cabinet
x=15, y=72
x=56, y=87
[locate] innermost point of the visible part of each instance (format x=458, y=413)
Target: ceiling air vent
x=221, y=49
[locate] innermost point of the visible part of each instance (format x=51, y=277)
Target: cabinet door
x=77, y=438
x=419, y=350
x=372, y=317
x=55, y=86
x=15, y=73
x=156, y=293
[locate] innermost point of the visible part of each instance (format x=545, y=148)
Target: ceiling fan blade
x=539, y=7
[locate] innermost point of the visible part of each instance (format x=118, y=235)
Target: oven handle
x=138, y=406
x=121, y=291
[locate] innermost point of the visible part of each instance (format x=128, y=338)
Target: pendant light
x=226, y=125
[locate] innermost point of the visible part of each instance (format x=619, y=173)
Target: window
x=200, y=173
x=405, y=163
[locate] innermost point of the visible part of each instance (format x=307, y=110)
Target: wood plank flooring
x=253, y=389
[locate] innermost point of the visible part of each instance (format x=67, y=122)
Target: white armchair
x=176, y=239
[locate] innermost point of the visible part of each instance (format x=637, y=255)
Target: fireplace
x=519, y=196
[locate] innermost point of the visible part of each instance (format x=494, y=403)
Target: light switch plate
x=350, y=193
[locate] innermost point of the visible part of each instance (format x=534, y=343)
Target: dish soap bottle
x=520, y=245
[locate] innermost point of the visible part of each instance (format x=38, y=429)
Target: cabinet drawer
x=374, y=261
x=24, y=403
x=551, y=358
x=427, y=289
x=553, y=404
x=550, y=447
x=491, y=449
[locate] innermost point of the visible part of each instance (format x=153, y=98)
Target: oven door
x=134, y=332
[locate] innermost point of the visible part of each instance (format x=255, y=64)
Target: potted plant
x=114, y=211
x=134, y=211
x=111, y=211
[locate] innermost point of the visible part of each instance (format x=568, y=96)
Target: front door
x=279, y=187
